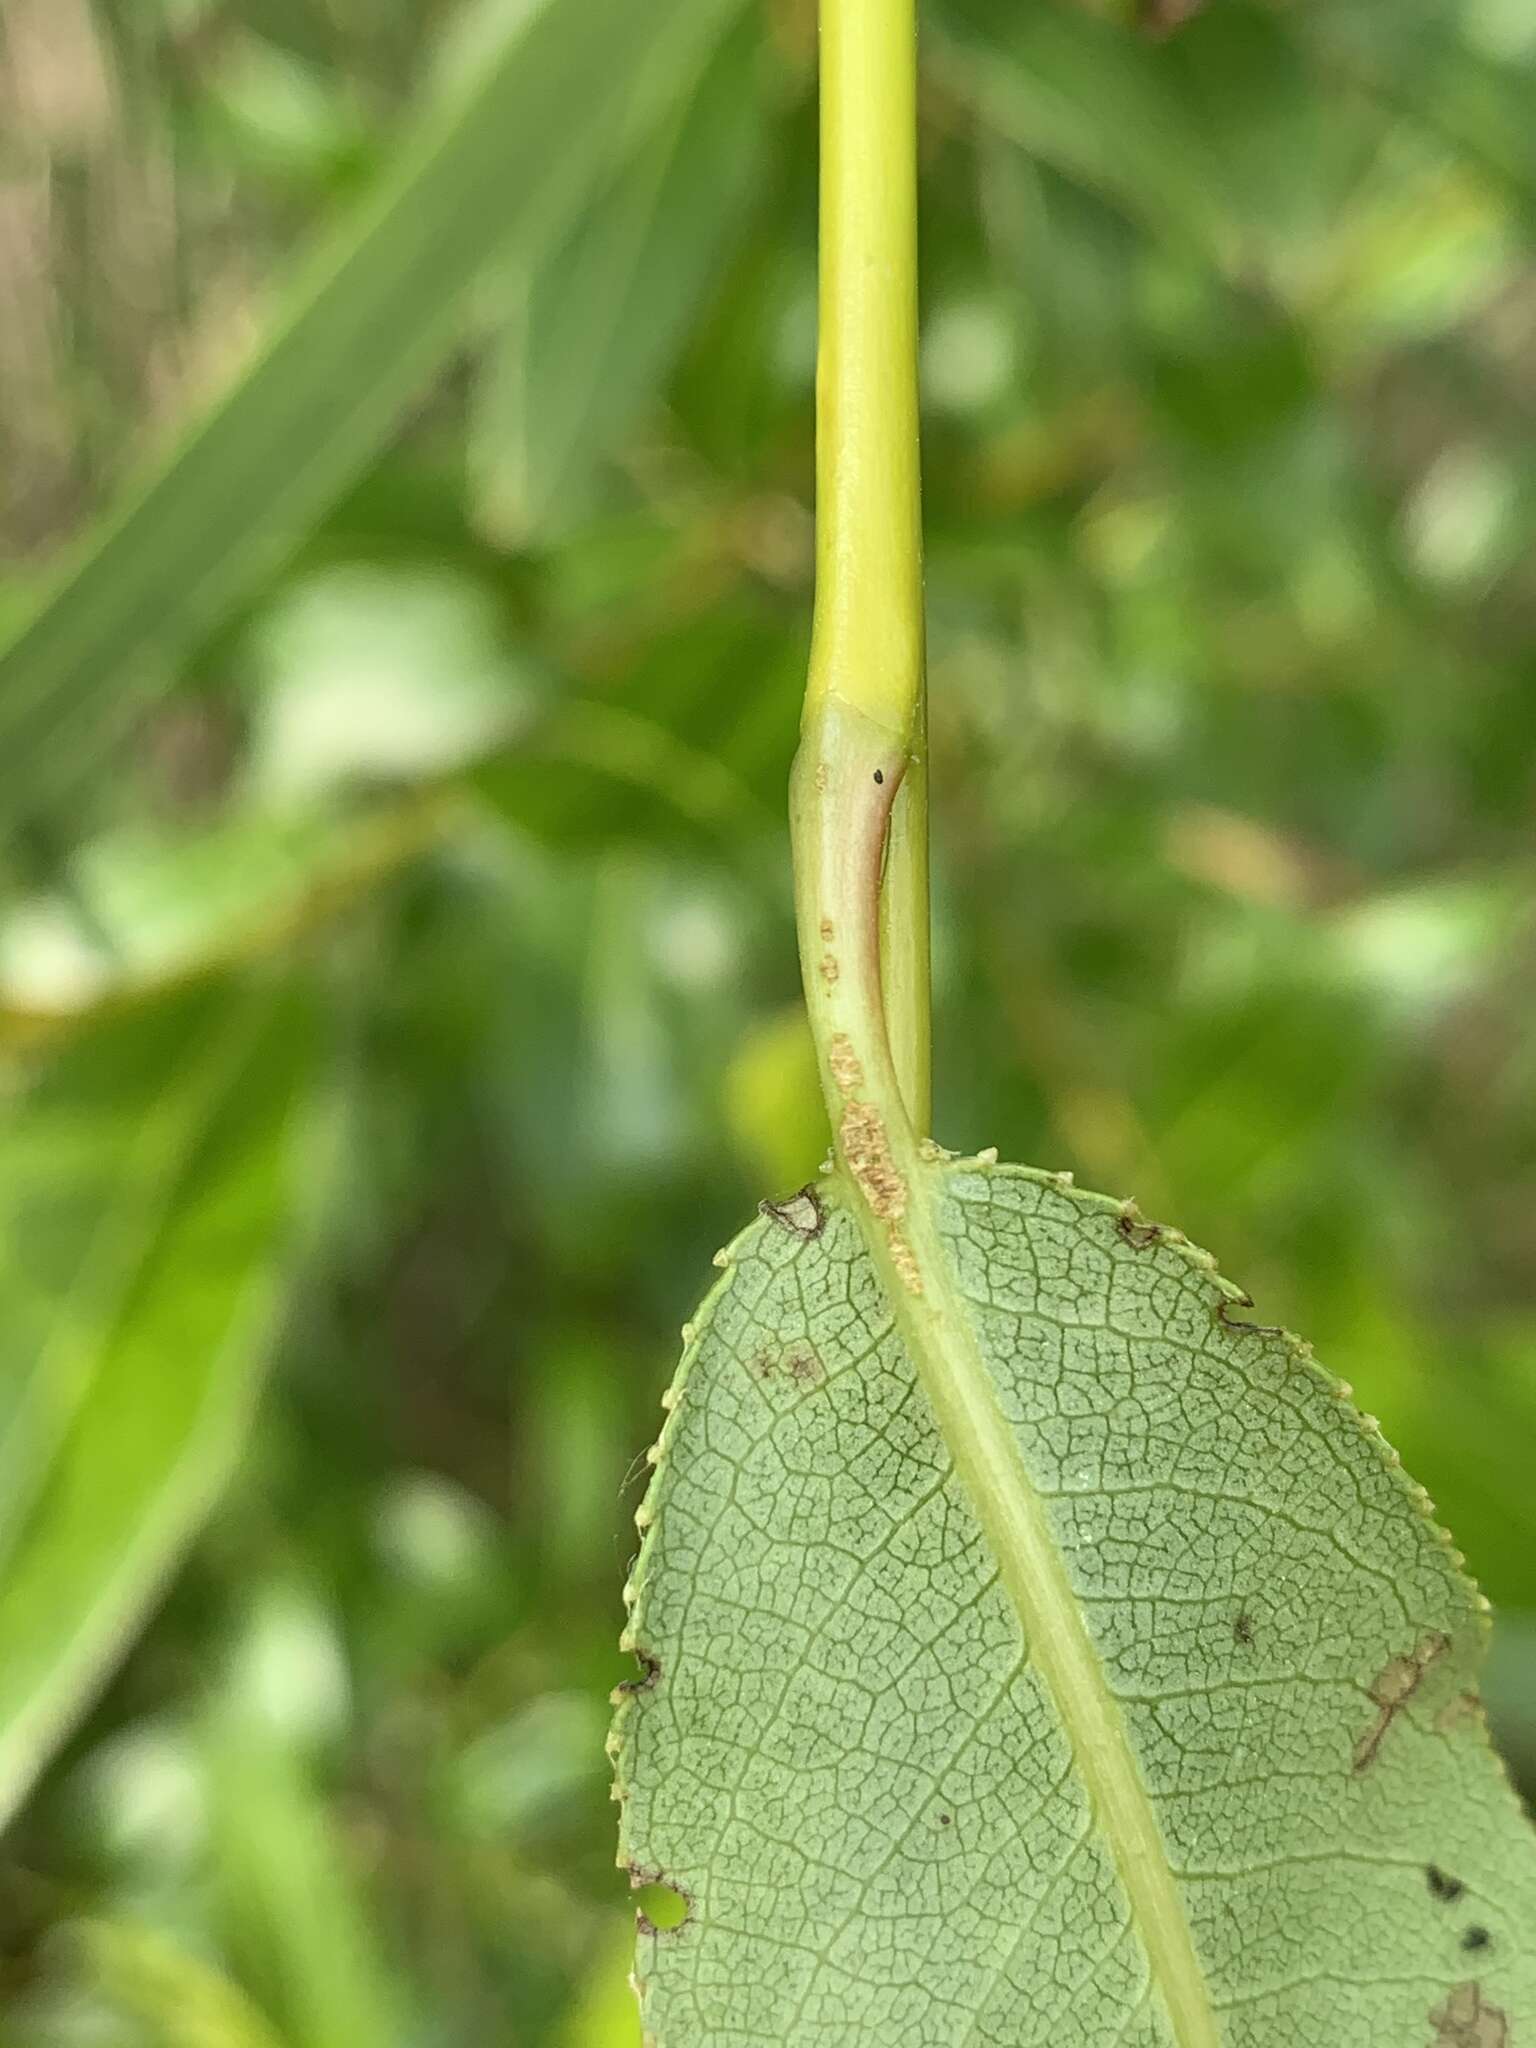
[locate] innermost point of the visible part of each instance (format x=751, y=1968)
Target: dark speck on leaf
x=1242, y=1629
x=945, y=1819
x=1442, y=1884
x=879, y=775
x=1476, y=1937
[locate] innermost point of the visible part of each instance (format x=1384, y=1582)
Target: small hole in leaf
x=661, y=1906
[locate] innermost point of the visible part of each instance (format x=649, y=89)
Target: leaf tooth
x=690, y=1332
x=722, y=1259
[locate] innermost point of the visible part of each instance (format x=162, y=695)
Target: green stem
x=865, y=689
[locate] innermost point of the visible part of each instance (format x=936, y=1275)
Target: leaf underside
x=842, y=1753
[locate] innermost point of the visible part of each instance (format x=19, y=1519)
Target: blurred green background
x=398, y=998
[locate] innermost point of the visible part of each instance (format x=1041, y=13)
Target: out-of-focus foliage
x=396, y=978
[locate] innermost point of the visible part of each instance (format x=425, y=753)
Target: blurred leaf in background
x=397, y=992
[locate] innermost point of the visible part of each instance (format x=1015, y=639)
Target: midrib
x=937, y=1328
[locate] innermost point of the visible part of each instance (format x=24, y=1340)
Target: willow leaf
x=372, y=316
x=596, y=324
x=148, y=1210
x=1165, y=1732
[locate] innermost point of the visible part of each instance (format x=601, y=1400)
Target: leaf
x=372, y=317
x=288, y=1896
x=600, y=318
x=139, y=1973
x=1102, y=106
x=148, y=908
x=146, y=1203
x=1173, y=1738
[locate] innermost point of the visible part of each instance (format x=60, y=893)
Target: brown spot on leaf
x=1392, y=1688
x=801, y=1366
x=867, y=1150
x=650, y=1676
x=1476, y=1938
x=1242, y=1629
x=1137, y=1230
x=828, y=969
x=826, y=931
x=1462, y=1707
x=844, y=1062
x=1467, y=2020
x=1441, y=1884
x=801, y=1214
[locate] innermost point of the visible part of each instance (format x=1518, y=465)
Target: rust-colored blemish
x=801, y=1366
x=904, y=1260
x=828, y=969
x=1391, y=1690
x=1137, y=1230
x=826, y=931
x=801, y=1213
x=844, y=1062
x=1467, y=2020
x=867, y=1149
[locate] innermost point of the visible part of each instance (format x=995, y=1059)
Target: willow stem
x=867, y=644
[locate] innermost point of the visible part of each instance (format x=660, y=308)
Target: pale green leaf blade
x=846, y=1755
x=1080, y=93
x=125, y=1429
x=596, y=322
x=370, y=318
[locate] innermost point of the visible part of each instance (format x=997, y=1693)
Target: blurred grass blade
x=185, y=2001
x=1097, y=102
x=602, y=313
x=564, y=95
x=168, y=1338
x=93, y=1168
x=289, y=1898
